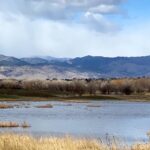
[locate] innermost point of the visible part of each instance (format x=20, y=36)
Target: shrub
x=127, y=89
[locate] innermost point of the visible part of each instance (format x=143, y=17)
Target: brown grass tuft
x=45, y=106
x=13, y=125
x=9, y=125
x=5, y=106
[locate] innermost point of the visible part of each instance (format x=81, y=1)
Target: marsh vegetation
x=11, y=124
x=6, y=106
x=25, y=142
x=45, y=106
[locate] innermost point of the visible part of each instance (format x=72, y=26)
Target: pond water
x=129, y=121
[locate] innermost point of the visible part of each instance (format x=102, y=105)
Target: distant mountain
x=54, y=59
x=79, y=67
x=118, y=66
x=11, y=61
x=35, y=61
x=43, y=60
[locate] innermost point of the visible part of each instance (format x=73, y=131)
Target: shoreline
x=130, y=98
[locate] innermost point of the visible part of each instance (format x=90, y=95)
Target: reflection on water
x=126, y=120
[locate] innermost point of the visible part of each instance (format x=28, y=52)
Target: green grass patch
x=9, y=96
x=26, y=93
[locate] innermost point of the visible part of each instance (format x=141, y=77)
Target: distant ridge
x=79, y=67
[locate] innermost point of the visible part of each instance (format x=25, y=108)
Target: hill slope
x=80, y=67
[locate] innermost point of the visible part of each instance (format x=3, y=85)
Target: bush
x=127, y=89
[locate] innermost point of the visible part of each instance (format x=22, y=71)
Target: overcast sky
x=70, y=28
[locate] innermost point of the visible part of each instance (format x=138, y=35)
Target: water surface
x=127, y=120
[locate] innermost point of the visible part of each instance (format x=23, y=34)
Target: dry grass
x=5, y=106
x=24, y=142
x=45, y=106
x=13, y=125
x=9, y=125
x=141, y=146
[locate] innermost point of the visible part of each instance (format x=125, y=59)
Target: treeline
x=81, y=86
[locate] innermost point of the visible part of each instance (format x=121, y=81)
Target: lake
x=129, y=121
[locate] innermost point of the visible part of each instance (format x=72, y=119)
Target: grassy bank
x=32, y=95
x=23, y=142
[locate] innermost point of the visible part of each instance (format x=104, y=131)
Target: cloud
x=23, y=37
x=104, y=9
x=99, y=23
x=65, y=10
x=69, y=28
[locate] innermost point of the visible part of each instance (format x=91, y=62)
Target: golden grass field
x=24, y=142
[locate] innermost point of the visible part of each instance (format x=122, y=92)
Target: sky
x=74, y=28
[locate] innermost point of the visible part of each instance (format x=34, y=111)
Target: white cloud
x=99, y=22
x=66, y=28
x=62, y=10
x=104, y=9
x=23, y=37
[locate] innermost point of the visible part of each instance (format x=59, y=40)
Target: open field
x=24, y=142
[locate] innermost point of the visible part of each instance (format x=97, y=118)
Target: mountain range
x=79, y=67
